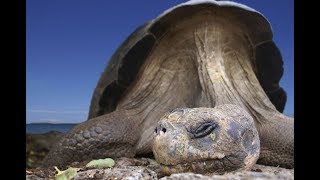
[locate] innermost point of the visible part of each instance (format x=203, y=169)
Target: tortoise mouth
x=212, y=165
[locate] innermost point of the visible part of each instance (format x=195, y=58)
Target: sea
x=40, y=128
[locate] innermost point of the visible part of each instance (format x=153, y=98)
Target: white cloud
x=54, y=121
x=56, y=112
x=56, y=115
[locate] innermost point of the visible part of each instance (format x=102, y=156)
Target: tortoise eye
x=204, y=129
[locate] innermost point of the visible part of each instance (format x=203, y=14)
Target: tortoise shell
x=125, y=63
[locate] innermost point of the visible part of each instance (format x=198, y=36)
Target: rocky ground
x=127, y=168
x=130, y=168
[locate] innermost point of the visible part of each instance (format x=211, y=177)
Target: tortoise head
x=206, y=140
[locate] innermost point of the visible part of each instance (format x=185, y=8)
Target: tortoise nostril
x=160, y=129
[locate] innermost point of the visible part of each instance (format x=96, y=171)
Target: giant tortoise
x=198, y=87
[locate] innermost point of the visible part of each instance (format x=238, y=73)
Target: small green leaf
x=30, y=160
x=67, y=174
x=101, y=163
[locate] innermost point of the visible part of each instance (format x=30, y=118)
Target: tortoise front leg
x=277, y=139
x=111, y=135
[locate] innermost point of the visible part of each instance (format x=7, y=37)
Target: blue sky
x=69, y=43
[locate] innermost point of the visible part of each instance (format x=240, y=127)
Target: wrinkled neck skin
x=204, y=62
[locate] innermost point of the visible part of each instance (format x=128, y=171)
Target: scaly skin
x=277, y=139
x=111, y=135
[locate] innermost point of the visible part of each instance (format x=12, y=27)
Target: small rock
x=129, y=172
